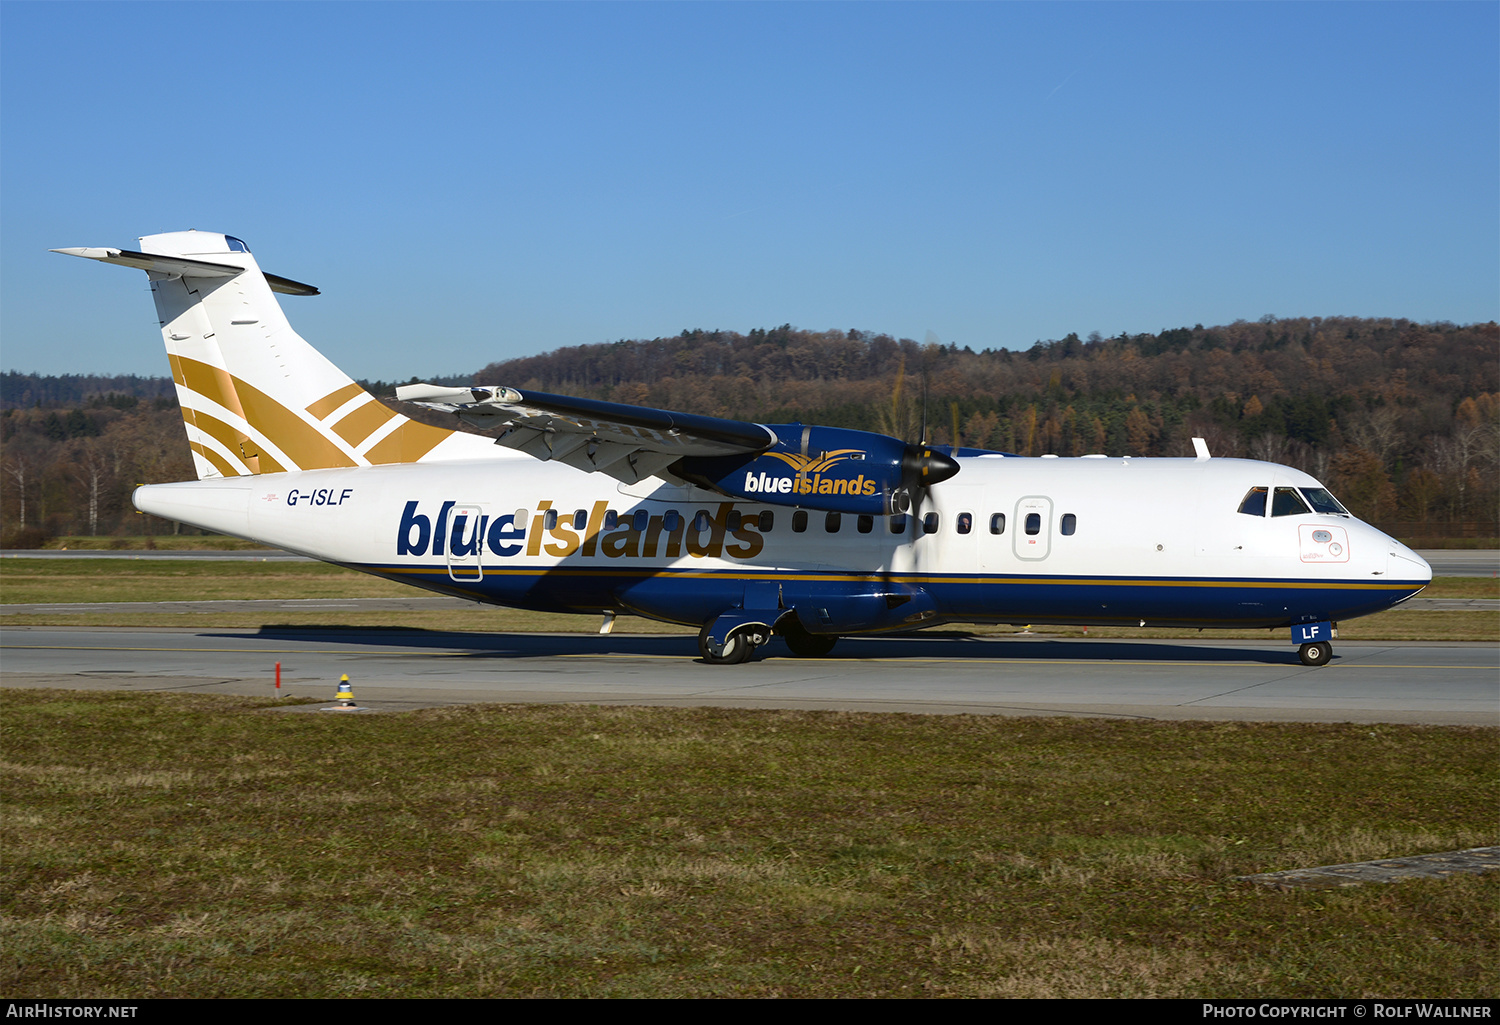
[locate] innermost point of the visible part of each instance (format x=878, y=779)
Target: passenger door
x=464, y=543
x=1033, y=528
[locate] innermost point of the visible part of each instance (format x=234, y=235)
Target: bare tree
x=21, y=467
x=93, y=466
x=1378, y=430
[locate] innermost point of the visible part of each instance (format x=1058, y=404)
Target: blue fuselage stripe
x=698, y=596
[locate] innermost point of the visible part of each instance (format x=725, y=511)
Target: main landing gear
x=738, y=646
x=1316, y=653
x=802, y=643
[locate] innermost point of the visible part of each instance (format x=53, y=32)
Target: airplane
x=744, y=530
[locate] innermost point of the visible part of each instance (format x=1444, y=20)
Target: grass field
x=184, y=845
x=129, y=580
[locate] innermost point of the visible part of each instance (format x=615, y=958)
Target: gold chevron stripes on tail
x=363, y=421
x=306, y=446
x=407, y=443
x=333, y=400
x=256, y=460
x=225, y=470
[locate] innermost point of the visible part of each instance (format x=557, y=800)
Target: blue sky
x=472, y=182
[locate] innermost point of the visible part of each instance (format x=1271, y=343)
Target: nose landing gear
x=1316, y=653
x=1312, y=638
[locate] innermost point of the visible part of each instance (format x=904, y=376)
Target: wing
x=629, y=443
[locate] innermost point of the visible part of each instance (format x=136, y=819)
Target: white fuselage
x=1110, y=541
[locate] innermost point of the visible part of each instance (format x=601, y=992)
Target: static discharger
x=345, y=698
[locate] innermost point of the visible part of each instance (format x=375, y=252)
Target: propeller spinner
x=921, y=467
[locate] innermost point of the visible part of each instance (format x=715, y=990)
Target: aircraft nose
x=1408, y=565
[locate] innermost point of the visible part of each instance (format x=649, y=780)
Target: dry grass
x=175, y=845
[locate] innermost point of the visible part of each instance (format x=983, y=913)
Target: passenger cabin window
x=930, y=523
x=641, y=520
x=832, y=522
x=865, y=523
x=799, y=521
x=549, y=519
x=735, y=521
x=671, y=520
x=1033, y=523
x=767, y=521
x=701, y=521
x=1069, y=524
x=611, y=519
x=898, y=523
x=580, y=519
x=997, y=523
x=1254, y=503
x=1288, y=503
x=965, y=522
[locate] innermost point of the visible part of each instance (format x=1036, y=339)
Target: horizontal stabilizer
x=181, y=267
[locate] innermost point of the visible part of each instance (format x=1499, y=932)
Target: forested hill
x=27, y=391
x=1336, y=362
x=1384, y=384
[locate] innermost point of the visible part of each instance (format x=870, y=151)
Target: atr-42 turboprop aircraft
x=745, y=530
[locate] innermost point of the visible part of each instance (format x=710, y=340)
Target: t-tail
x=256, y=398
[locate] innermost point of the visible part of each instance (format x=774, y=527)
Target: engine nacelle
x=825, y=468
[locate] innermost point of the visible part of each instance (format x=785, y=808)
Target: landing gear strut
x=1315, y=654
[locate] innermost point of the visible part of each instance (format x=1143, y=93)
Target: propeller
x=921, y=466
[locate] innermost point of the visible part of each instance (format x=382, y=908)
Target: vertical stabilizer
x=256, y=398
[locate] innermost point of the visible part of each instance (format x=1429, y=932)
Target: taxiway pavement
x=1431, y=682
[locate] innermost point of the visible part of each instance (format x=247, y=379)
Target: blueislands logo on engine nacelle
x=809, y=476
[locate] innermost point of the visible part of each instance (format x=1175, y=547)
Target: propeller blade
x=923, y=439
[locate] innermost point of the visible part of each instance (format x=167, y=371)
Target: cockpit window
x=1323, y=502
x=1254, y=503
x=1288, y=503
x=235, y=245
